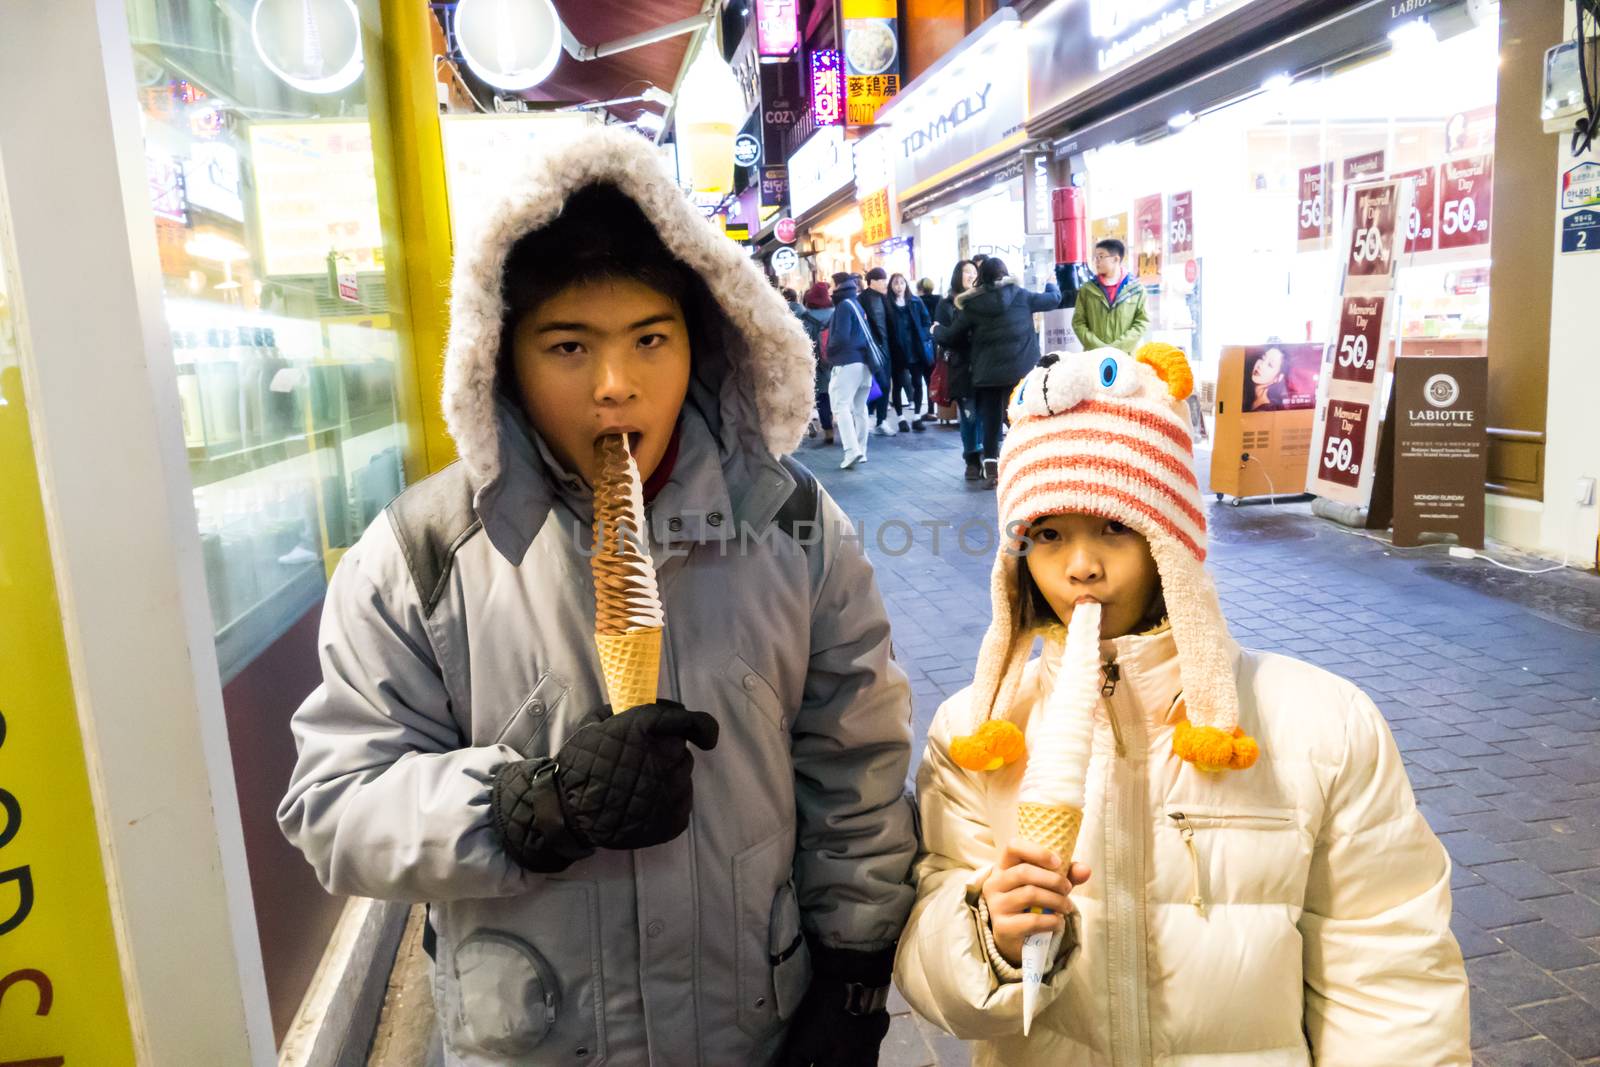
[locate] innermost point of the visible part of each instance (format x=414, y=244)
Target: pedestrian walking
x=928, y=293
x=1111, y=312
x=997, y=317
x=956, y=356
x=815, y=314
x=875, y=303
x=1252, y=883
x=910, y=351
x=853, y=357
x=596, y=887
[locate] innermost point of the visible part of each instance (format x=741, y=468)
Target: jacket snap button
x=654, y=929
x=675, y=525
x=582, y=1052
x=715, y=518
x=761, y=1002
x=749, y=681
x=536, y=707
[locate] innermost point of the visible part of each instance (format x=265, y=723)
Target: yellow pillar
x=412, y=200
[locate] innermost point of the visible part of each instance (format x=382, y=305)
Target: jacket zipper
x=1195, y=896
x=1126, y=827
x=1108, y=690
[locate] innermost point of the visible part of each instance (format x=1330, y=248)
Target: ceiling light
x=1180, y=120
x=1277, y=82
x=511, y=44
x=650, y=122
x=1413, y=34
x=310, y=45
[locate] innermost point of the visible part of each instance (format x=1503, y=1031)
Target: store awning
x=597, y=22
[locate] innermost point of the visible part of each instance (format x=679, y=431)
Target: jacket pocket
x=528, y=731
x=787, y=952
x=771, y=962
x=1238, y=854
x=508, y=994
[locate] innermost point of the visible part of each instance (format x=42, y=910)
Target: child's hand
x=1028, y=876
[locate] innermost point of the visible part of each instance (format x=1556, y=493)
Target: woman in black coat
x=958, y=367
x=996, y=319
x=910, y=348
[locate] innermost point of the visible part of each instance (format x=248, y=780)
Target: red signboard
x=1180, y=225
x=1359, y=168
x=1312, y=203
x=784, y=231
x=777, y=27
x=1340, y=453
x=1422, y=227
x=1357, y=344
x=1465, y=200
x=1372, y=237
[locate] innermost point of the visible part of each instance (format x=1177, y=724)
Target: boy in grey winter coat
x=600, y=892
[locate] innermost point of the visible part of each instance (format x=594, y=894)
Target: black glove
x=841, y=1020
x=622, y=782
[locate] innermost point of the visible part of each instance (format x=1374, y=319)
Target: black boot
x=991, y=473
x=974, y=471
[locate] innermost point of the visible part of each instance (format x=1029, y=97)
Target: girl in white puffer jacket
x=1253, y=883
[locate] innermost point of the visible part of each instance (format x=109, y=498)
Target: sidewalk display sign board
x=1355, y=365
x=1440, y=448
x=1266, y=404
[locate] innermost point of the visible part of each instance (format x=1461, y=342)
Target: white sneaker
x=850, y=460
x=885, y=429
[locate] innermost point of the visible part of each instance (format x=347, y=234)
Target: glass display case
x=264, y=200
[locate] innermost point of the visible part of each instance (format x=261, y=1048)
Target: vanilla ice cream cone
x=628, y=615
x=1050, y=802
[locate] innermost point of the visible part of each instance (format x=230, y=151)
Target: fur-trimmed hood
x=978, y=290
x=762, y=377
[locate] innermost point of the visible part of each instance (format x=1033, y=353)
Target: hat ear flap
x=1170, y=365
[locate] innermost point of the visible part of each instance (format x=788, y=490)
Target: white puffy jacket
x=1294, y=913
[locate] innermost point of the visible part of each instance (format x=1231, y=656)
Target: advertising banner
x=827, y=87
x=1180, y=225
x=871, y=57
x=1363, y=167
x=1356, y=364
x=774, y=186
x=819, y=168
x=1441, y=448
x=1262, y=434
x=1111, y=226
x=1311, y=205
x=783, y=105
x=777, y=26
x=60, y=976
x=1148, y=239
x=1421, y=226
x=1465, y=199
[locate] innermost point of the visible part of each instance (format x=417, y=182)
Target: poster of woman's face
x=1281, y=377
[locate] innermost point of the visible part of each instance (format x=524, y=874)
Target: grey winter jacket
x=996, y=322
x=458, y=635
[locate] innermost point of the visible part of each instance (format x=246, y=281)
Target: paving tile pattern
x=1496, y=709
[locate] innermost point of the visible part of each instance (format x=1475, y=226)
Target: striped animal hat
x=1105, y=433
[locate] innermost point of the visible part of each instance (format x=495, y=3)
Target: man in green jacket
x=1110, y=313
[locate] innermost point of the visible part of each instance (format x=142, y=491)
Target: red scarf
x=663, y=472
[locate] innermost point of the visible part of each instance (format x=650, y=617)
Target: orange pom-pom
x=996, y=744
x=1171, y=366
x=1212, y=749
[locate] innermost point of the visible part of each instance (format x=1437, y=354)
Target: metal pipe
x=585, y=53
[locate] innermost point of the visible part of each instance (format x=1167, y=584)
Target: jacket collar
x=712, y=495
x=1149, y=670
x=978, y=290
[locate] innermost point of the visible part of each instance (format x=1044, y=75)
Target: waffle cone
x=1053, y=826
x=631, y=664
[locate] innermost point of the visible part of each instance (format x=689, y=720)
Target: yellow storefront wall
x=61, y=991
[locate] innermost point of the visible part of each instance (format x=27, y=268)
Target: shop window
x=263, y=198
x=1231, y=218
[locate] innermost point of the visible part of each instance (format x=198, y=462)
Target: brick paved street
x=1495, y=705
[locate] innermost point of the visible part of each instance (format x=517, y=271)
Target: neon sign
x=777, y=27
x=827, y=87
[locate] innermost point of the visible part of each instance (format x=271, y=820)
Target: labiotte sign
x=1074, y=45
x=1440, y=453
x=963, y=113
